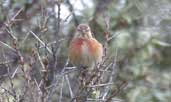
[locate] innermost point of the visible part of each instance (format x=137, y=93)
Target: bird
x=84, y=50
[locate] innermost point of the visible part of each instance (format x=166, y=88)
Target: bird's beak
x=83, y=32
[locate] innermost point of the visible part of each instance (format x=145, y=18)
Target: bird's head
x=84, y=30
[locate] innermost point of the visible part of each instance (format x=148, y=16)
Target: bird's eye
x=83, y=28
x=78, y=29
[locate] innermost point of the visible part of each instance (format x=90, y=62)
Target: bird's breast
x=85, y=51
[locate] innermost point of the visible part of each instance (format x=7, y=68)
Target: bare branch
x=48, y=49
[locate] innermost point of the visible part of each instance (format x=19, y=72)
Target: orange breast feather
x=96, y=49
x=85, y=51
x=75, y=50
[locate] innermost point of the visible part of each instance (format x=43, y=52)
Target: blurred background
x=35, y=34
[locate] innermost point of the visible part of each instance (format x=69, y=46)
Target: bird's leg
x=83, y=75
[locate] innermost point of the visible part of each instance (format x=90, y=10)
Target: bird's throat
x=87, y=35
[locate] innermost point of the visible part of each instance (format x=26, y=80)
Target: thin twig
x=61, y=90
x=7, y=62
x=73, y=14
x=107, y=89
x=40, y=60
x=9, y=22
x=48, y=49
x=100, y=85
x=15, y=72
x=8, y=46
x=70, y=90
